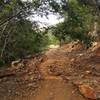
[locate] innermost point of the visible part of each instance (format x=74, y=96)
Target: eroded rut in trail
x=56, y=89
x=53, y=87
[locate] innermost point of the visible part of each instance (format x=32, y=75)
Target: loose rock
x=87, y=91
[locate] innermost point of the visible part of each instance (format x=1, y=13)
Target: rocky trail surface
x=69, y=72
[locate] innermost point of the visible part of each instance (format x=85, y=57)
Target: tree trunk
x=94, y=33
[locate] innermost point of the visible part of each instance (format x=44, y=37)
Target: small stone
x=9, y=91
x=88, y=72
x=0, y=80
x=98, y=96
x=80, y=54
x=31, y=84
x=73, y=59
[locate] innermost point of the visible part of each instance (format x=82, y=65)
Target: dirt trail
x=56, y=89
x=51, y=76
x=53, y=87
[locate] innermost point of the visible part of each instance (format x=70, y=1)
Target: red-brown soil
x=58, y=74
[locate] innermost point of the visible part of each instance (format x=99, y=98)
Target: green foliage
x=53, y=39
x=77, y=23
x=24, y=41
x=80, y=21
x=2, y=62
x=80, y=17
x=19, y=37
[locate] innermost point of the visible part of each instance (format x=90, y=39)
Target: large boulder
x=87, y=91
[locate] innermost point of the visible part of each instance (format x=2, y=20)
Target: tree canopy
x=20, y=37
x=80, y=19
